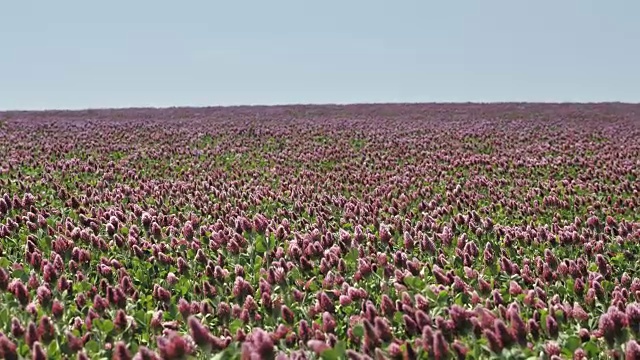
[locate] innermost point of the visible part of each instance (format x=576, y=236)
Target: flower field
x=432, y=231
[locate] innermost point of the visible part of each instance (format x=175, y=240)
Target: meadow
x=408, y=231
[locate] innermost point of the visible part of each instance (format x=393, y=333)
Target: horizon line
x=345, y=104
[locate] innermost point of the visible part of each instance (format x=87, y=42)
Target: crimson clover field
x=321, y=232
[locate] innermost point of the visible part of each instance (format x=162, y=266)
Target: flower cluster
x=368, y=231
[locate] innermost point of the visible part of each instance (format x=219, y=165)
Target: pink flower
x=410, y=325
x=199, y=333
x=514, y=288
x=326, y=304
x=318, y=346
x=172, y=279
x=121, y=322
x=408, y=240
x=304, y=331
x=4, y=278
x=385, y=235
x=459, y=316
x=633, y=316
x=495, y=344
x=184, y=308
x=552, y=348
x=260, y=343
x=328, y=322
x=518, y=328
x=260, y=223
x=298, y=295
x=31, y=335
x=8, y=350
x=75, y=344
x=99, y=304
x=422, y=319
x=173, y=346
x=183, y=267
x=612, y=324
x=607, y=328
x=156, y=319
x=345, y=300
x=484, y=286
x=57, y=309
x=160, y=293
x=187, y=230
x=239, y=288
x=16, y=328
x=287, y=314
x=250, y=304
x=44, y=295
x=534, y=328
x=488, y=254
x=146, y=219
x=593, y=222
x=387, y=306
x=383, y=329
x=632, y=350
x=37, y=352
x=145, y=354
x=121, y=352
x=49, y=274
x=46, y=331
x=503, y=333
x=584, y=335
x=371, y=339
x=33, y=281
x=224, y=310
x=440, y=346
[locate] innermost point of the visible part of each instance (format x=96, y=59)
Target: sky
x=87, y=54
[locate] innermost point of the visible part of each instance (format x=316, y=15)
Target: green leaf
x=352, y=256
x=443, y=296
x=218, y=356
x=414, y=282
x=569, y=283
x=4, y=316
x=141, y=317
x=294, y=274
x=261, y=247
x=591, y=348
x=258, y=264
x=358, y=331
x=92, y=346
x=430, y=294
x=397, y=317
x=82, y=286
x=53, y=350
x=19, y=273
x=330, y=354
x=341, y=348
x=543, y=321
x=106, y=326
x=235, y=325
x=24, y=350
x=572, y=343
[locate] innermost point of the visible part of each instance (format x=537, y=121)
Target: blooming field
x=382, y=231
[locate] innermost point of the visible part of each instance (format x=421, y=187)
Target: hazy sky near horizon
x=81, y=54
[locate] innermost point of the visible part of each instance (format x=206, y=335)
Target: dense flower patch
x=379, y=231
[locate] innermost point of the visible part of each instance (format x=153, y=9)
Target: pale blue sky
x=79, y=54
